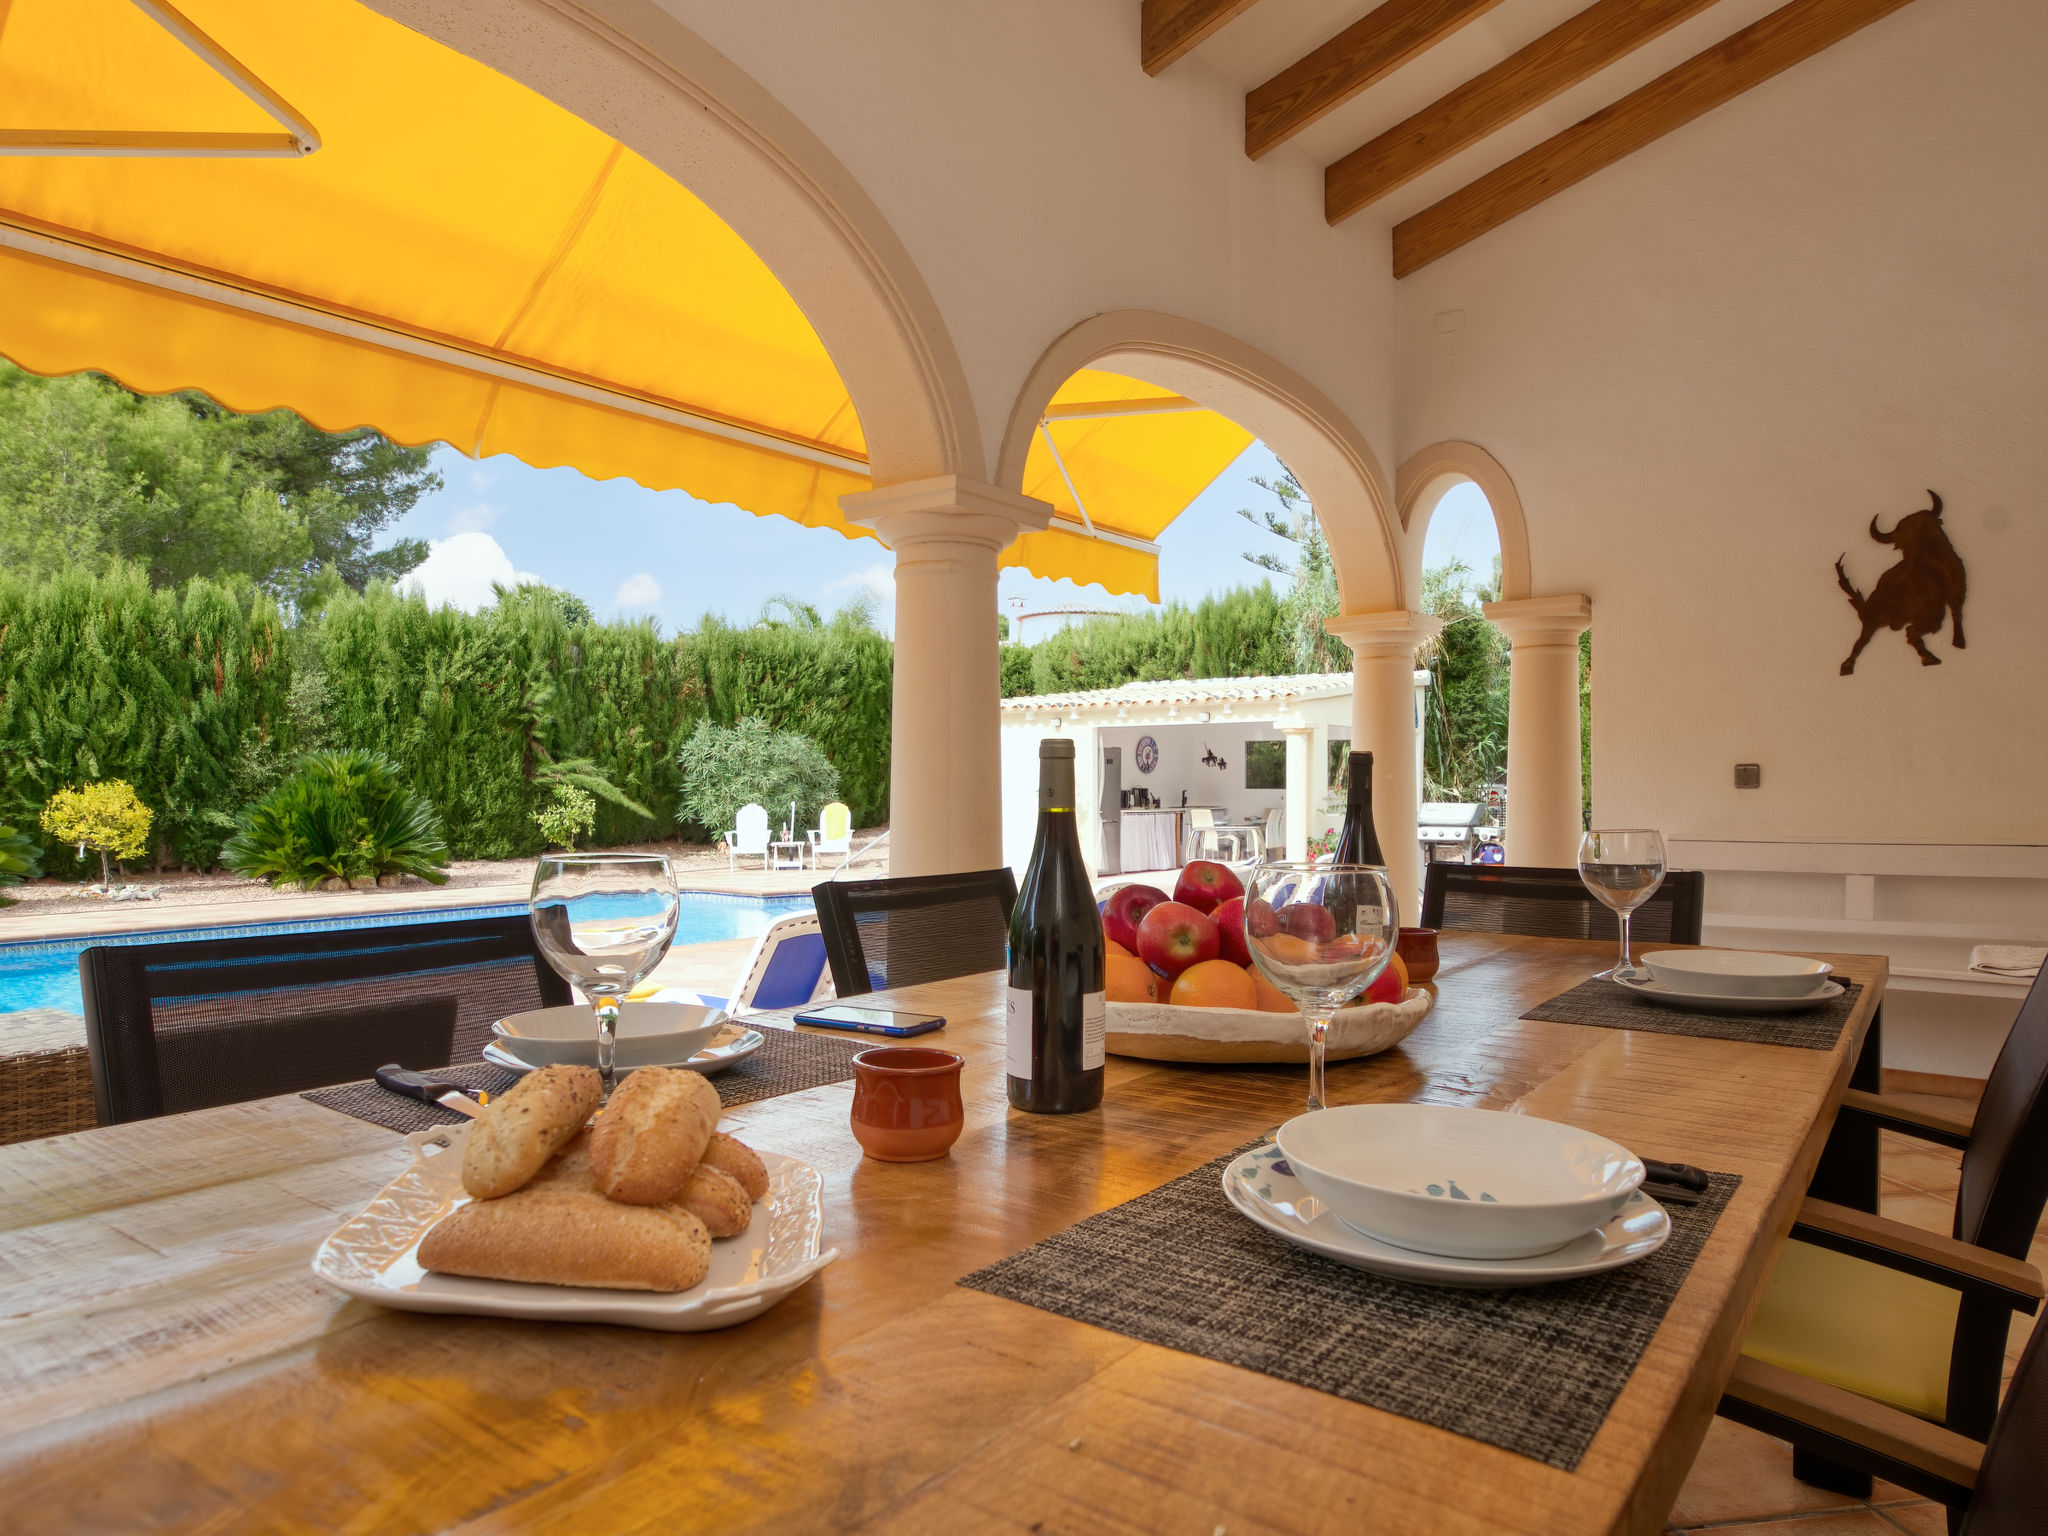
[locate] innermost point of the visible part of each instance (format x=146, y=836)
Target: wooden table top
x=168, y=1362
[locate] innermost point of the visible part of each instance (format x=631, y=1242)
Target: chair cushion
x=1857, y=1325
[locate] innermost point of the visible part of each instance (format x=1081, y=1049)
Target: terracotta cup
x=1417, y=949
x=906, y=1103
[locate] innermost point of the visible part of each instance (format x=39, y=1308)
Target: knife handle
x=414, y=1085
x=1684, y=1175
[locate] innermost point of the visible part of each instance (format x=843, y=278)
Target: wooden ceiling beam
x=1786, y=37
x=1567, y=54
x=1364, y=53
x=1169, y=28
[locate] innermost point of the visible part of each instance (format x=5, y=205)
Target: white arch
x=1331, y=457
x=1422, y=481
x=631, y=69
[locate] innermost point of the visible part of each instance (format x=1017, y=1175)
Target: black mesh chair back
x=1555, y=904
x=2011, y=1496
x=2004, y=1183
x=180, y=1026
x=897, y=933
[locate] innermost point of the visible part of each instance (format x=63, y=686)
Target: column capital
x=946, y=507
x=1542, y=620
x=1392, y=634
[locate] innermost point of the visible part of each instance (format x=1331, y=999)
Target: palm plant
x=340, y=816
x=20, y=858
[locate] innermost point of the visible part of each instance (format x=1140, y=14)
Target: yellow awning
x=458, y=260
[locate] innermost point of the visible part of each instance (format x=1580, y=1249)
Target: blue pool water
x=45, y=974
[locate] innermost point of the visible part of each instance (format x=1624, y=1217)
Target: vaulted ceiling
x=1447, y=118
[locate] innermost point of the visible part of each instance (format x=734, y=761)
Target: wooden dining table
x=169, y=1363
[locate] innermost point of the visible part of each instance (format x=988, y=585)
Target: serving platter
x=732, y=1043
x=375, y=1254
x=1655, y=991
x=1162, y=1032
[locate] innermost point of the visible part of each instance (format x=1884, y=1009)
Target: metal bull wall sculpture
x=1916, y=594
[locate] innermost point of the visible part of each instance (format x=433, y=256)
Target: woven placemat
x=1531, y=1371
x=787, y=1063
x=1604, y=1005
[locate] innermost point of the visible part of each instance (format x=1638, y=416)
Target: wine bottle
x=1357, y=842
x=1054, y=1019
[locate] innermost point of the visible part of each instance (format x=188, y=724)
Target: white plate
x=733, y=1042
x=1719, y=1002
x=1264, y=1188
x=649, y=1035
x=375, y=1255
x=1737, y=972
x=1448, y=1179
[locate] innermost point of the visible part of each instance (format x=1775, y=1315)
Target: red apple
x=1306, y=920
x=1229, y=921
x=1125, y=909
x=1205, y=884
x=1260, y=920
x=1386, y=988
x=1174, y=936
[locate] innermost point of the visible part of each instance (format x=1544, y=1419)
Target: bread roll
x=730, y=1155
x=652, y=1134
x=554, y=1234
x=525, y=1126
x=717, y=1200
x=569, y=1168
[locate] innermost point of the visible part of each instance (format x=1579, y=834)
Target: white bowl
x=650, y=1034
x=1472, y=1183
x=1737, y=972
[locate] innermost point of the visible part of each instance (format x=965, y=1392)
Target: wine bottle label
x=1094, y=1025
x=1017, y=1033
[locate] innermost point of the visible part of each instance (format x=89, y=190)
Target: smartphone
x=872, y=1021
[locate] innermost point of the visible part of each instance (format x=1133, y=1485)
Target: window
x=1265, y=765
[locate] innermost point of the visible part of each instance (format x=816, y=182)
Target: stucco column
x=1384, y=723
x=1301, y=789
x=1544, y=791
x=945, y=751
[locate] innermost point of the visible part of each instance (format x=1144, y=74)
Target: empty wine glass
x=1321, y=933
x=604, y=921
x=1623, y=868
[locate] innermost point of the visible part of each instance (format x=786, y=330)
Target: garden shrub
x=340, y=816
x=105, y=817
x=727, y=766
x=19, y=856
x=571, y=814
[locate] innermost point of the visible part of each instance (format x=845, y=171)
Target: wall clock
x=1147, y=754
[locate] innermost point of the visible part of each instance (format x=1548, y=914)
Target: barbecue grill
x=1447, y=833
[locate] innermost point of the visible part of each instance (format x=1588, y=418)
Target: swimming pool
x=44, y=974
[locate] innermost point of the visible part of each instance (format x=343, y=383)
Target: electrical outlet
x=1749, y=776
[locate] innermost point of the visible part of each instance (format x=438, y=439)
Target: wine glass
x=1321, y=933
x=604, y=921
x=1623, y=868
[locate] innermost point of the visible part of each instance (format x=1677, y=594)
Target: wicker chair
x=182, y=1026
x=897, y=933
x=1555, y=904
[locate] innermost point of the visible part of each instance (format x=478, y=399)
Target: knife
x=431, y=1090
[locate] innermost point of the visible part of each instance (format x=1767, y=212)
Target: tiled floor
x=1743, y=1480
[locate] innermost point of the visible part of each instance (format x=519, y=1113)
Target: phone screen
x=872, y=1021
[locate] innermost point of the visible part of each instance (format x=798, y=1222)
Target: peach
x=1213, y=984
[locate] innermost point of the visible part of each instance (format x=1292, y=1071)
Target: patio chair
x=1555, y=904
x=833, y=833
x=750, y=837
x=1896, y=1315
x=785, y=970
x=188, y=1025
x=897, y=933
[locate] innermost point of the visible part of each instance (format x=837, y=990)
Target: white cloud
x=472, y=519
x=879, y=577
x=461, y=570
x=637, y=594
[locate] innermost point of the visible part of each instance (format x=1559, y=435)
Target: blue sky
x=627, y=550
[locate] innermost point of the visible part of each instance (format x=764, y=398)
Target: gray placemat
x=1531, y=1371
x=1607, y=1006
x=788, y=1063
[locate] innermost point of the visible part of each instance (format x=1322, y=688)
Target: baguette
x=525, y=1126
x=652, y=1134
x=729, y=1155
x=554, y=1234
x=717, y=1200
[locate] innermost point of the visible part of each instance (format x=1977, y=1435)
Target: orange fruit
x=1213, y=984
x=1114, y=948
x=1269, y=998
x=1397, y=964
x=1292, y=949
x=1127, y=979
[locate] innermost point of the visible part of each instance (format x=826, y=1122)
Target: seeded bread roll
x=717, y=1200
x=652, y=1134
x=525, y=1126
x=555, y=1234
x=729, y=1155
x=569, y=1168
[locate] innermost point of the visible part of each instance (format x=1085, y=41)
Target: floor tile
x=1922, y=1519
x=1860, y=1521
x=1743, y=1474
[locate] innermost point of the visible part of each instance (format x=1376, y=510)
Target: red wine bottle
x=1055, y=1020
x=1357, y=842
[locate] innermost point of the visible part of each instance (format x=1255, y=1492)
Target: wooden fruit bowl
x=1162, y=1032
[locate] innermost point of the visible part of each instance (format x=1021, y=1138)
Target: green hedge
x=1242, y=633
x=201, y=698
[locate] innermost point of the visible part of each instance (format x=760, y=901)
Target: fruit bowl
x=1163, y=1032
